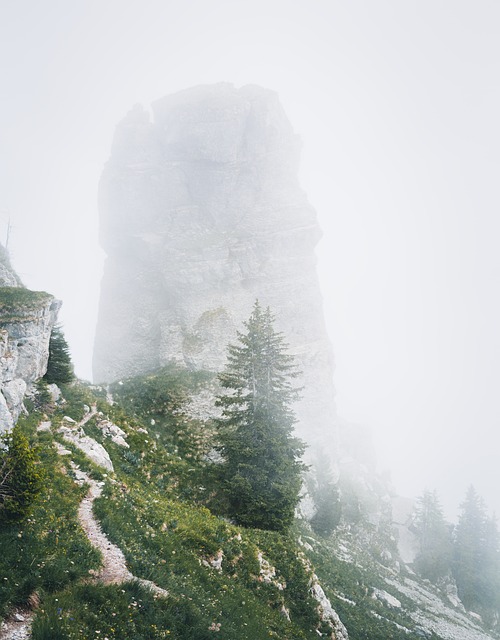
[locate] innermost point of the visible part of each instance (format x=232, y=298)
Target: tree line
x=468, y=552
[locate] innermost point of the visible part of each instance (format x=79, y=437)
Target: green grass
x=17, y=299
x=48, y=550
x=155, y=508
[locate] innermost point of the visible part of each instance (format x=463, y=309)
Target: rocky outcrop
x=201, y=214
x=26, y=322
x=90, y=447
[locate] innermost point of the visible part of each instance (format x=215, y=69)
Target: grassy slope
x=154, y=508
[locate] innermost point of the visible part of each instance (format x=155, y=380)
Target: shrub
x=20, y=476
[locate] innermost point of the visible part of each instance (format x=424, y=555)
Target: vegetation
x=261, y=473
x=223, y=580
x=16, y=299
x=158, y=400
x=433, y=560
x=468, y=553
x=21, y=476
x=46, y=550
x=476, y=561
x=327, y=499
x=59, y=366
x=348, y=570
x=174, y=542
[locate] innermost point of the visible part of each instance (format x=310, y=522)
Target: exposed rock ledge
x=26, y=322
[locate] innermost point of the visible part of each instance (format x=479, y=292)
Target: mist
x=397, y=106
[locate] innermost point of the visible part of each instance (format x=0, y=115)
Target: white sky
x=397, y=103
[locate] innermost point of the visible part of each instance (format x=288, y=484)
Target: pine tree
x=433, y=560
x=261, y=471
x=470, y=538
x=326, y=497
x=59, y=366
x=490, y=563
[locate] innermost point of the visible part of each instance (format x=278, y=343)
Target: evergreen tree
x=433, y=560
x=326, y=497
x=59, y=366
x=261, y=471
x=490, y=562
x=469, y=552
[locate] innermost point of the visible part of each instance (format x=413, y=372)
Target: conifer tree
x=326, y=497
x=59, y=366
x=490, y=562
x=469, y=552
x=261, y=471
x=433, y=560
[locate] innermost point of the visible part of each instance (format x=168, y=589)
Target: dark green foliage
x=59, y=366
x=43, y=398
x=21, y=476
x=262, y=473
x=433, y=560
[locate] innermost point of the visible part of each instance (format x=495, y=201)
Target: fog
x=397, y=105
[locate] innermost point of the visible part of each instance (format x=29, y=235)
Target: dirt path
x=17, y=629
x=114, y=567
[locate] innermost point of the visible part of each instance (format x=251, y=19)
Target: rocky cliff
x=26, y=322
x=202, y=213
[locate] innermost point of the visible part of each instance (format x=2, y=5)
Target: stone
x=326, y=611
x=25, y=330
x=13, y=392
x=92, y=449
x=201, y=213
x=114, y=432
x=55, y=392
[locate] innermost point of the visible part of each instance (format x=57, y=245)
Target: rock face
x=201, y=214
x=26, y=322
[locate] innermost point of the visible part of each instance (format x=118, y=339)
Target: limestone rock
x=327, y=612
x=55, y=392
x=201, y=213
x=26, y=322
x=92, y=449
x=114, y=432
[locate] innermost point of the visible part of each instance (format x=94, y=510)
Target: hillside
x=193, y=574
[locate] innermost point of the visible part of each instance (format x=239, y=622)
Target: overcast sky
x=397, y=103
